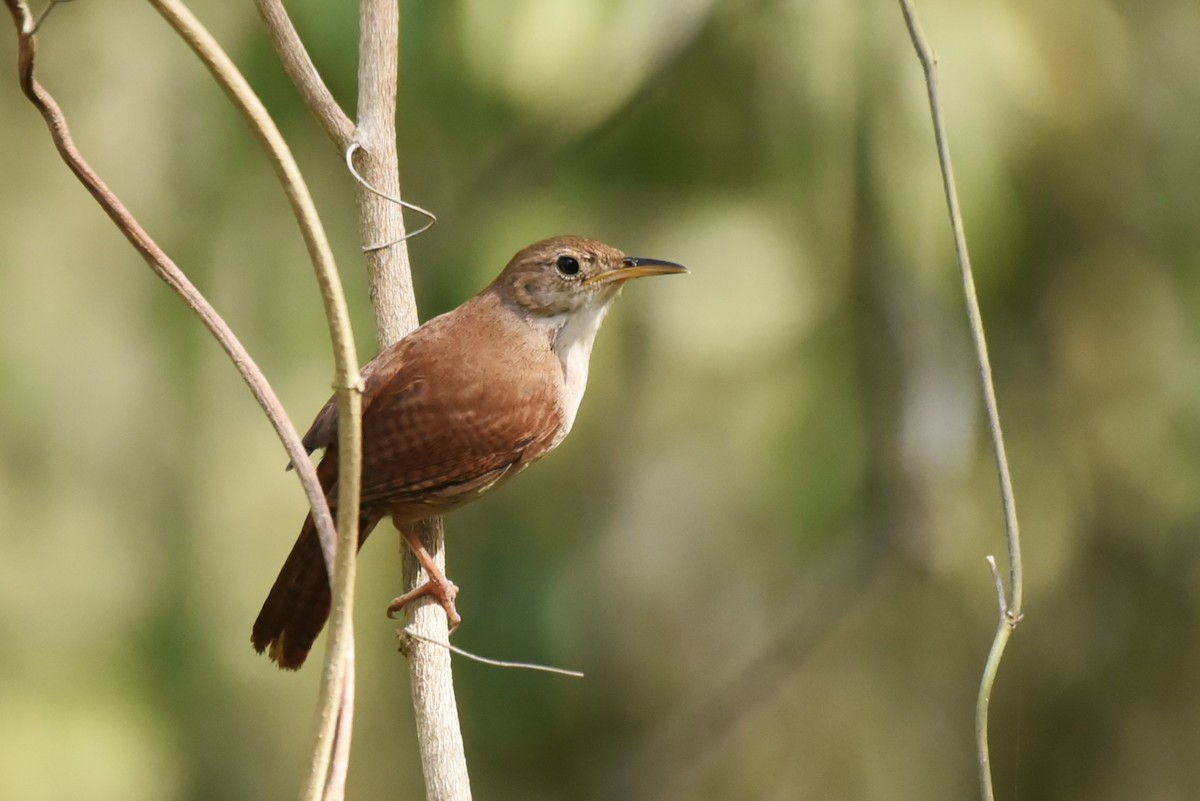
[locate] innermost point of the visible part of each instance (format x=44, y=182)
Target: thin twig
x=391, y=292
x=339, y=762
x=166, y=269
x=300, y=68
x=334, y=711
x=1001, y=601
x=264, y=128
x=493, y=662
x=1004, y=630
x=1010, y=616
x=46, y=13
x=432, y=218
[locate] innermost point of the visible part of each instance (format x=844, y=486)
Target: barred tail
x=298, y=605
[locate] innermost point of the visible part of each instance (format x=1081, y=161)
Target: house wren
x=456, y=408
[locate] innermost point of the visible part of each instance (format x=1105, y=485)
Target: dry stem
x=338, y=687
x=335, y=707
x=373, y=148
x=167, y=270
x=304, y=75
x=1010, y=613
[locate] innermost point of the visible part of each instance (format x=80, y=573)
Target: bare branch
x=335, y=706
x=929, y=65
x=339, y=763
x=1001, y=601
x=1011, y=613
x=303, y=72
x=381, y=220
x=443, y=759
x=167, y=270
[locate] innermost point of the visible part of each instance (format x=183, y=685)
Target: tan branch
x=300, y=68
x=327, y=777
x=167, y=270
x=381, y=220
x=443, y=758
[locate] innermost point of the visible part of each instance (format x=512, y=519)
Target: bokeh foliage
x=764, y=540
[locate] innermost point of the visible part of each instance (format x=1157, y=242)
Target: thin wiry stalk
x=327, y=771
x=165, y=268
x=1010, y=612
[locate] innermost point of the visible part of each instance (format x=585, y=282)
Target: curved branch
x=166, y=269
x=327, y=775
x=300, y=68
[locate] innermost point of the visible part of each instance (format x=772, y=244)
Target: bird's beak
x=636, y=267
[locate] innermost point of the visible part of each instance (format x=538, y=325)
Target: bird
x=453, y=410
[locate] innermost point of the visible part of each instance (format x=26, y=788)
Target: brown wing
x=449, y=411
x=323, y=431
x=451, y=427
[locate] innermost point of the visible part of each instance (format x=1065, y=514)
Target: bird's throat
x=572, y=344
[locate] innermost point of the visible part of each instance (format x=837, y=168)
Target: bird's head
x=569, y=274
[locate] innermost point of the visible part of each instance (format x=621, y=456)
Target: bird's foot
x=441, y=588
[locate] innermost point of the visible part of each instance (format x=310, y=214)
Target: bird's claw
x=444, y=592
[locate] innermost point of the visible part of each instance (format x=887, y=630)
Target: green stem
x=1010, y=611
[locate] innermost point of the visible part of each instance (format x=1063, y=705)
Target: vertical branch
x=381, y=222
x=443, y=758
x=372, y=151
x=1010, y=608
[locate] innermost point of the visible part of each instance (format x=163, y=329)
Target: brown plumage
x=462, y=404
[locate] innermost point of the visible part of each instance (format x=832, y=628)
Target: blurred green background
x=765, y=540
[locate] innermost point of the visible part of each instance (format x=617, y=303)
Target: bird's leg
x=440, y=587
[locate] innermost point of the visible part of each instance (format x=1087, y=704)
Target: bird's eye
x=567, y=265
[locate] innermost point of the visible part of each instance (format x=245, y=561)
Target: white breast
x=573, y=346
